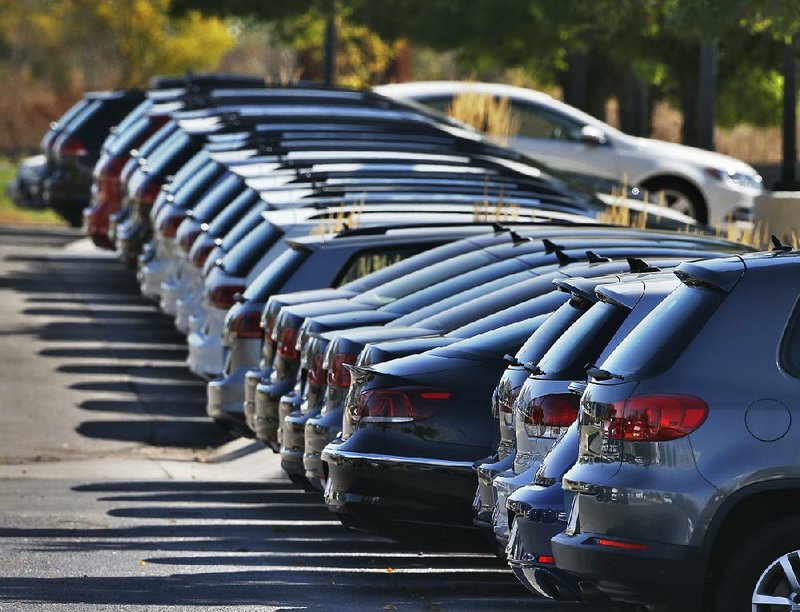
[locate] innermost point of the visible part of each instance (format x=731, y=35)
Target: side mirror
x=593, y=136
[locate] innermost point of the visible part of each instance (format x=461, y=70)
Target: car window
x=790, y=345
x=233, y=212
x=242, y=257
x=222, y=191
x=391, y=291
x=275, y=275
x=583, y=342
x=440, y=104
x=550, y=331
x=371, y=260
x=127, y=139
x=662, y=336
x=242, y=228
x=536, y=122
x=187, y=193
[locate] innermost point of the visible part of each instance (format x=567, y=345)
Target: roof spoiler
x=719, y=275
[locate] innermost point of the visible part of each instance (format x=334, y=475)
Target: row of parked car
x=438, y=335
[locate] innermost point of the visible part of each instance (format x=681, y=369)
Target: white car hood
x=683, y=153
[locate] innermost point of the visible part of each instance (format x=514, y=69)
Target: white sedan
x=708, y=186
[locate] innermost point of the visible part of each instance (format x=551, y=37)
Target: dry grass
x=487, y=114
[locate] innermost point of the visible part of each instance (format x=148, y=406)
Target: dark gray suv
x=687, y=490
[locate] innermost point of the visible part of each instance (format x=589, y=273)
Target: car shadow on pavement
x=123, y=355
x=250, y=543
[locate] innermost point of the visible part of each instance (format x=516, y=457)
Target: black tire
x=751, y=559
x=695, y=199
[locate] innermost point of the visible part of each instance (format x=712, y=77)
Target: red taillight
x=73, y=146
x=200, y=255
x=546, y=416
x=247, y=325
x=148, y=193
x=618, y=544
x=222, y=297
x=111, y=167
x=655, y=418
x=338, y=374
x=287, y=343
x=188, y=238
x=397, y=406
x=169, y=224
x=546, y=559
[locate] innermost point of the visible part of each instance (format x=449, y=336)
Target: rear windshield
x=127, y=139
x=275, y=275
x=189, y=191
x=243, y=227
x=657, y=342
x=133, y=117
x=583, y=342
x=412, y=264
x=234, y=211
x=492, y=344
x=160, y=162
x=190, y=168
x=391, y=291
x=550, y=331
x=162, y=134
x=241, y=258
x=216, y=197
x=72, y=112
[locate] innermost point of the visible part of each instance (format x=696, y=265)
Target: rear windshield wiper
x=533, y=368
x=600, y=374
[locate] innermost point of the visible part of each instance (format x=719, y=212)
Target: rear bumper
x=293, y=440
x=379, y=488
x=485, y=495
x=268, y=396
x=224, y=398
x=320, y=431
x=660, y=574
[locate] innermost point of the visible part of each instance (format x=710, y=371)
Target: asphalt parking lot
x=117, y=493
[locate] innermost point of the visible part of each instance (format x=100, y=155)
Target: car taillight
x=111, y=167
x=222, y=296
x=548, y=415
x=148, y=193
x=287, y=343
x=316, y=372
x=200, y=255
x=397, y=406
x=73, y=146
x=338, y=374
x=169, y=224
x=246, y=325
x=188, y=238
x=620, y=544
x=655, y=418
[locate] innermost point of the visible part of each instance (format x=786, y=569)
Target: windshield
x=492, y=344
x=275, y=275
x=657, y=342
x=583, y=342
x=391, y=291
x=242, y=257
x=161, y=160
x=234, y=211
x=550, y=331
x=243, y=227
x=187, y=192
x=217, y=196
x=127, y=139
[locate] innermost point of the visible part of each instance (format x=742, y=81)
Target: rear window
x=790, y=346
x=190, y=168
x=234, y=211
x=583, y=342
x=73, y=112
x=550, y=331
x=389, y=292
x=161, y=160
x=369, y=261
x=241, y=258
x=126, y=139
x=216, y=197
x=275, y=275
x=187, y=193
x=662, y=336
x=491, y=344
x=243, y=227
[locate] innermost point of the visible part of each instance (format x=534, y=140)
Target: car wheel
x=763, y=573
x=679, y=196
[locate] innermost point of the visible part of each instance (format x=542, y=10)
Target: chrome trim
x=444, y=463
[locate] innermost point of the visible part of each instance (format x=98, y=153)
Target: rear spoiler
x=717, y=274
